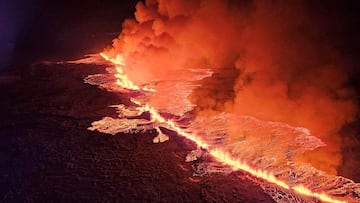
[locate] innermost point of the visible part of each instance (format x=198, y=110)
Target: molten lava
x=122, y=79
x=219, y=154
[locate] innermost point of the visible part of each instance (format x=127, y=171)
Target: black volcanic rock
x=47, y=155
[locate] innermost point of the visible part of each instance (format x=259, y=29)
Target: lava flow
x=219, y=154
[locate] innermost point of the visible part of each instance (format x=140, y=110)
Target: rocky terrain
x=48, y=155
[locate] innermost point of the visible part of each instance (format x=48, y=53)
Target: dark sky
x=35, y=29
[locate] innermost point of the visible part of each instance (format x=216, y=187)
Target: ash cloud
x=274, y=60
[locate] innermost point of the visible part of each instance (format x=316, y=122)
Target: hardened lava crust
x=48, y=155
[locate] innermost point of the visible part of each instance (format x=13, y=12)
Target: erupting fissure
x=218, y=154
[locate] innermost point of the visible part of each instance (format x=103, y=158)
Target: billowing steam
x=273, y=60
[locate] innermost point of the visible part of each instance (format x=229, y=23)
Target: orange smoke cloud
x=272, y=60
x=290, y=73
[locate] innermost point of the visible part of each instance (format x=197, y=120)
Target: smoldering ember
x=180, y=101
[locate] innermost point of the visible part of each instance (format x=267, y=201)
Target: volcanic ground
x=48, y=155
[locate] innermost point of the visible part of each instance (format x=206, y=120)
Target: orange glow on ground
x=219, y=154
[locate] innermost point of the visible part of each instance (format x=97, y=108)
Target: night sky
x=39, y=29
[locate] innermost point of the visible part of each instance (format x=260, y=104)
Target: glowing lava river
x=273, y=173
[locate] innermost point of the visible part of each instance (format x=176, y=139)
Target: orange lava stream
x=122, y=79
x=219, y=154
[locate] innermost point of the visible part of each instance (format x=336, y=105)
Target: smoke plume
x=273, y=60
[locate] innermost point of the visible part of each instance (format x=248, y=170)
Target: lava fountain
x=235, y=79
